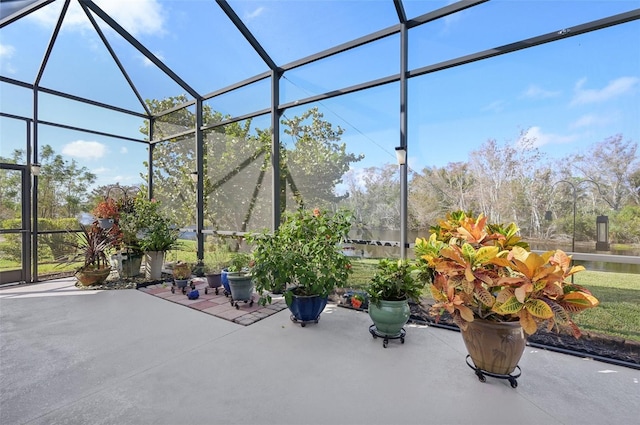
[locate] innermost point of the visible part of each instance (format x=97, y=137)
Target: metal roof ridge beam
x=52, y=42
x=115, y=57
x=24, y=12
x=238, y=85
x=531, y=42
x=444, y=11
x=235, y=19
x=402, y=16
x=342, y=47
x=140, y=47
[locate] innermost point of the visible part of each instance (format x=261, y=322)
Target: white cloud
x=591, y=120
x=137, y=17
x=256, y=13
x=147, y=62
x=496, y=106
x=100, y=170
x=6, y=53
x=85, y=150
x=615, y=88
x=124, y=150
x=539, y=138
x=537, y=92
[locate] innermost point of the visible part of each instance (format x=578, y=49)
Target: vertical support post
x=33, y=183
x=150, y=160
x=275, y=149
x=403, y=138
x=199, y=184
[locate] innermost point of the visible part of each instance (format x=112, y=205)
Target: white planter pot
x=153, y=264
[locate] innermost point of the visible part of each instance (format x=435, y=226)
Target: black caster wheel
x=481, y=376
x=184, y=291
x=385, y=343
x=173, y=290
x=303, y=324
x=206, y=291
x=237, y=306
x=216, y=291
x=245, y=301
x=193, y=286
x=316, y=321
x=513, y=382
x=231, y=303
x=251, y=303
x=374, y=336
x=401, y=340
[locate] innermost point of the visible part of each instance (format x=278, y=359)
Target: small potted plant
x=240, y=278
x=304, y=256
x=392, y=287
x=215, y=261
x=92, y=245
x=106, y=213
x=181, y=276
x=486, y=278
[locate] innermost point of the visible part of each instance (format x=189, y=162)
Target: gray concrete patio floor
x=125, y=357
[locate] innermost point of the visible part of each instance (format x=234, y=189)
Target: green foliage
x=50, y=245
x=303, y=253
x=240, y=262
x=625, y=225
x=395, y=280
x=156, y=233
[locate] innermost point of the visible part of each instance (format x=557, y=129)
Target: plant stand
x=182, y=285
x=480, y=373
x=302, y=323
x=375, y=334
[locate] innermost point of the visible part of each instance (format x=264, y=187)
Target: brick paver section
x=217, y=305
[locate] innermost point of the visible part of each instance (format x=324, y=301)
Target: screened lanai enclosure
x=229, y=112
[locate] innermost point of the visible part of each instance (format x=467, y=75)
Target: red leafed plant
x=107, y=209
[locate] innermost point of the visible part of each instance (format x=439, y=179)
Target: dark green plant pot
x=241, y=286
x=131, y=265
x=390, y=316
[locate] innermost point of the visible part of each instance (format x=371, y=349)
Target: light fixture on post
x=401, y=155
x=194, y=176
x=35, y=169
x=602, y=233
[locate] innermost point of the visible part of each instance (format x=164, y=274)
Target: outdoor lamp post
x=401, y=155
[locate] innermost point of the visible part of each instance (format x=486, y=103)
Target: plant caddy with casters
x=496, y=290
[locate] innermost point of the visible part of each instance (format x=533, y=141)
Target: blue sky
x=566, y=95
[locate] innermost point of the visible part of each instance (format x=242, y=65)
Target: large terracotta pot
x=494, y=347
x=153, y=264
x=390, y=316
x=93, y=277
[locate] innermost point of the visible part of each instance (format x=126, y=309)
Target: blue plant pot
x=225, y=280
x=307, y=308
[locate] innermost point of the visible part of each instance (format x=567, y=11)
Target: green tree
x=237, y=160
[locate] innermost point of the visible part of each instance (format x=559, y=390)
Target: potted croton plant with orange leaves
x=488, y=280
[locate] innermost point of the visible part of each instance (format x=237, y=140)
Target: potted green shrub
x=393, y=285
x=215, y=261
x=240, y=278
x=303, y=256
x=156, y=234
x=488, y=280
x=91, y=247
